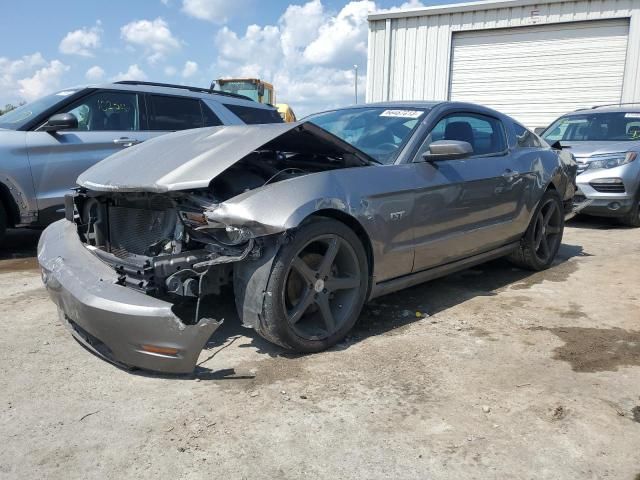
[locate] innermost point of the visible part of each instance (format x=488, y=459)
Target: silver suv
x=606, y=144
x=46, y=144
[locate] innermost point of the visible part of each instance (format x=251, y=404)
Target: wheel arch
x=10, y=206
x=354, y=225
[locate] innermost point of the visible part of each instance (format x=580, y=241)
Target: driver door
x=464, y=207
x=108, y=121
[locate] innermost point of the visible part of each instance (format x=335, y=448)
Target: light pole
x=355, y=83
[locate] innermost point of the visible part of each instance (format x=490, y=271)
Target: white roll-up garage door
x=537, y=73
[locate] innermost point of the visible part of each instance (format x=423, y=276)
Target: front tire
x=3, y=223
x=632, y=219
x=317, y=287
x=541, y=241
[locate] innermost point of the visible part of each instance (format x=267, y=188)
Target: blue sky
x=306, y=48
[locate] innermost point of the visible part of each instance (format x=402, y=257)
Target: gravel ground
x=490, y=373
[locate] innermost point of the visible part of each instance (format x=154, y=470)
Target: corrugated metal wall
x=409, y=58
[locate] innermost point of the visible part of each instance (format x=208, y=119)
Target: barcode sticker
x=402, y=113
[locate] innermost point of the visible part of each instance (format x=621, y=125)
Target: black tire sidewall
x=3, y=223
x=632, y=218
x=274, y=317
x=529, y=241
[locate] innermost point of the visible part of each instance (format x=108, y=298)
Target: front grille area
x=608, y=187
x=132, y=230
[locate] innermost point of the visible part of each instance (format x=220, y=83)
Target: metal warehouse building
x=534, y=60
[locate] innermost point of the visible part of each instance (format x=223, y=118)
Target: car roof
x=422, y=104
x=628, y=108
x=401, y=104
x=182, y=90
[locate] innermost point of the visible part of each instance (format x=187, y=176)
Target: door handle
x=126, y=142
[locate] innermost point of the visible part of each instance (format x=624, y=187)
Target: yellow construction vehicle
x=257, y=90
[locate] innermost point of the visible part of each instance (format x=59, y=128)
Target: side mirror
x=61, y=121
x=539, y=130
x=447, y=150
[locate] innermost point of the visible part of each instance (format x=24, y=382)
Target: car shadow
x=390, y=312
x=18, y=250
x=380, y=316
x=596, y=223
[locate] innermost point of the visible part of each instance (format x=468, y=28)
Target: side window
x=174, y=113
x=210, y=118
x=526, y=138
x=485, y=134
x=251, y=116
x=103, y=111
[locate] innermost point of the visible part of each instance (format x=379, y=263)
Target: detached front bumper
x=113, y=321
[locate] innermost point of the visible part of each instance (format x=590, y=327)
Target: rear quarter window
x=526, y=138
x=174, y=113
x=252, y=116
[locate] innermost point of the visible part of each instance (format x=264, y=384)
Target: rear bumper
x=111, y=320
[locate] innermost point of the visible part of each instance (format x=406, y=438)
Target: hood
x=190, y=159
x=581, y=150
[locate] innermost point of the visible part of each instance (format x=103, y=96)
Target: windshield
x=16, y=119
x=248, y=89
x=594, y=127
x=379, y=132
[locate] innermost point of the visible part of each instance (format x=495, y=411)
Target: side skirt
x=416, y=278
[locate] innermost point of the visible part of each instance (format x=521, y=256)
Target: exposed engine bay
x=164, y=245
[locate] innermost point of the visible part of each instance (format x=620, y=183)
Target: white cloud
x=44, y=80
x=405, y=6
x=170, y=70
x=216, y=11
x=134, y=72
x=154, y=36
x=29, y=77
x=342, y=40
x=9, y=68
x=299, y=25
x=82, y=41
x=95, y=74
x=308, y=55
x=190, y=69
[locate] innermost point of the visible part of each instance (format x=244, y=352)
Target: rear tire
x=541, y=241
x=317, y=287
x=3, y=223
x=632, y=219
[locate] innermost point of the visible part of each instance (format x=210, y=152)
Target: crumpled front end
x=130, y=269
x=123, y=325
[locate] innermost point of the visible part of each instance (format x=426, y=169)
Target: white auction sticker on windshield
x=632, y=115
x=402, y=113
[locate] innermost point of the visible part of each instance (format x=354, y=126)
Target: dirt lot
x=511, y=375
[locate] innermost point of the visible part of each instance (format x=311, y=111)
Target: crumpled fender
x=284, y=205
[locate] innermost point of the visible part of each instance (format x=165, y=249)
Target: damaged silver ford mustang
x=306, y=221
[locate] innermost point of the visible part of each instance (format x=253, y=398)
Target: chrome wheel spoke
x=544, y=247
x=342, y=283
x=549, y=213
x=539, y=230
x=305, y=302
x=329, y=256
x=322, y=287
x=327, y=315
x=304, y=270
